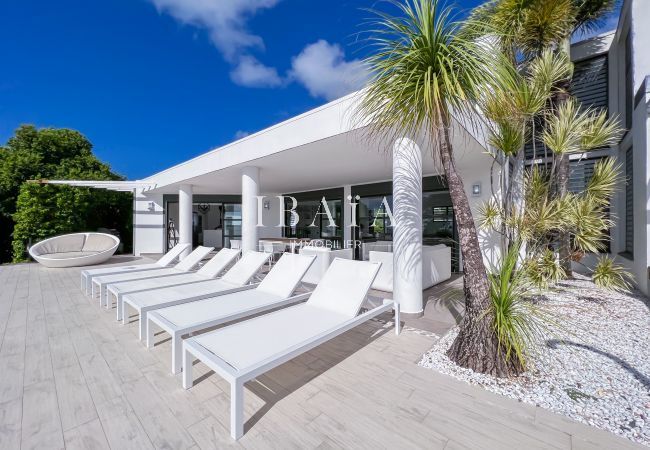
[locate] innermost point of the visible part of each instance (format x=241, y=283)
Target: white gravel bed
x=595, y=369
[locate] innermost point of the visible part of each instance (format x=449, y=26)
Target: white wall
x=271, y=218
x=641, y=40
x=490, y=241
x=148, y=225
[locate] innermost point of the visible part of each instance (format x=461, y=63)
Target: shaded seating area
x=73, y=250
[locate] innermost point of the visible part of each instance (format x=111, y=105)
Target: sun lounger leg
x=121, y=311
x=236, y=409
x=149, y=333
x=92, y=290
x=143, y=325
x=177, y=350
x=187, y=369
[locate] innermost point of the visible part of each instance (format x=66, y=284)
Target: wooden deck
x=71, y=376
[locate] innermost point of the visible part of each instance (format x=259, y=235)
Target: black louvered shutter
x=629, y=204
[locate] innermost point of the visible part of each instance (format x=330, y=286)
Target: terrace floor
x=71, y=376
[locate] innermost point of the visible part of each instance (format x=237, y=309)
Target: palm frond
x=422, y=68
x=599, y=130
x=489, y=215
x=603, y=183
x=550, y=70
x=608, y=275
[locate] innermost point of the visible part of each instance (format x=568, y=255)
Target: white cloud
x=250, y=72
x=225, y=21
x=321, y=67
x=240, y=134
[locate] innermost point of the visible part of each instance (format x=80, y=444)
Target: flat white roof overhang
x=322, y=148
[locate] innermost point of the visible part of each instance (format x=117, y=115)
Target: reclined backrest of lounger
x=344, y=286
x=218, y=263
x=246, y=268
x=172, y=255
x=285, y=275
x=193, y=258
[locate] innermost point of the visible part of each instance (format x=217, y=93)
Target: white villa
x=213, y=198
x=313, y=350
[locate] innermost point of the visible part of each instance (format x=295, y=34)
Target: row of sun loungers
x=186, y=304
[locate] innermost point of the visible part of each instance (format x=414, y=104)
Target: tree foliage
x=31, y=212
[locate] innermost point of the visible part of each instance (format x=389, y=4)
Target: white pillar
x=407, y=226
x=250, y=189
x=185, y=216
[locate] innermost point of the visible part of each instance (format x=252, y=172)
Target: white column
x=407, y=226
x=250, y=189
x=185, y=216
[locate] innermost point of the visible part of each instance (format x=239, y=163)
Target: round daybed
x=72, y=250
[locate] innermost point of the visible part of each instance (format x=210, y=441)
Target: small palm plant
x=517, y=322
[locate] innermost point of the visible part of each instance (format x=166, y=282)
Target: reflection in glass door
x=438, y=223
x=312, y=212
x=231, y=223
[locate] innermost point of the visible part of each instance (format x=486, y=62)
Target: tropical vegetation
x=508, y=67
x=423, y=69
x=31, y=212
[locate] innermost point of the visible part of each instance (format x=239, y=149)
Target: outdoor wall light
x=267, y=204
x=476, y=189
x=152, y=206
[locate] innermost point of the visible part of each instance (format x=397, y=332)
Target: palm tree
x=529, y=27
x=423, y=68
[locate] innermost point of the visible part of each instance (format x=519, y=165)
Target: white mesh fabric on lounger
x=245, y=350
x=212, y=269
x=188, y=263
x=168, y=258
x=275, y=290
x=236, y=279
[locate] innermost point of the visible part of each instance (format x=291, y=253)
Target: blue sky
x=154, y=82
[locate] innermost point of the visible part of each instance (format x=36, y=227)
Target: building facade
x=243, y=190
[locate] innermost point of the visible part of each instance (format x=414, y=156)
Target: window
x=590, y=82
x=310, y=210
x=590, y=86
x=373, y=221
x=231, y=223
x=629, y=203
x=580, y=174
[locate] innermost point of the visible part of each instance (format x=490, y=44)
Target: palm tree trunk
x=562, y=180
x=564, y=238
x=476, y=346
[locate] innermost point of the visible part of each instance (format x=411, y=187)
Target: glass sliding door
x=372, y=219
x=313, y=222
x=231, y=223
x=374, y=230
x=438, y=222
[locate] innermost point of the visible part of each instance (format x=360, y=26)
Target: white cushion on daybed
x=324, y=257
x=436, y=267
x=78, y=249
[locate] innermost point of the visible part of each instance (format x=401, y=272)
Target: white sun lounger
x=275, y=291
x=211, y=270
x=236, y=279
x=245, y=350
x=186, y=265
x=167, y=259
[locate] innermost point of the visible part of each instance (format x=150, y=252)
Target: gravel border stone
x=594, y=368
